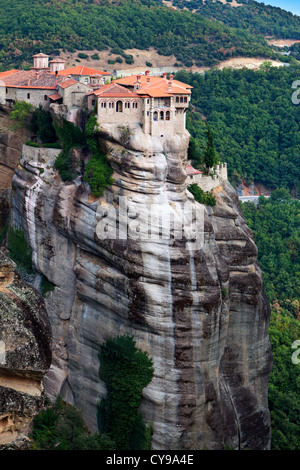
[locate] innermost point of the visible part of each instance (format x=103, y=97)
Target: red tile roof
x=159, y=87
x=81, y=70
x=55, y=97
x=192, y=171
x=113, y=90
x=67, y=83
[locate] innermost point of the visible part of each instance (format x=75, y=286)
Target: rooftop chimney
x=165, y=75
x=147, y=72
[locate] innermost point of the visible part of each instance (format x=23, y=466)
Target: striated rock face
x=25, y=355
x=199, y=311
x=11, y=143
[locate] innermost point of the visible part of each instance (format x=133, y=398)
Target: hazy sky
x=289, y=5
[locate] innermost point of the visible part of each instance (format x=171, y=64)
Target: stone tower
x=40, y=61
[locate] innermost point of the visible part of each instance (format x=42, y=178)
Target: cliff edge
x=199, y=310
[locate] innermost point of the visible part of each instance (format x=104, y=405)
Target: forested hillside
x=254, y=122
x=253, y=16
x=27, y=26
x=276, y=227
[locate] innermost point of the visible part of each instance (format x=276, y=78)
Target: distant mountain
x=28, y=26
x=249, y=15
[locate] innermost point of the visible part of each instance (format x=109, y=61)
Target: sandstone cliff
x=201, y=314
x=25, y=355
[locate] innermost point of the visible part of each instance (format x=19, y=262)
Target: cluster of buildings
x=157, y=104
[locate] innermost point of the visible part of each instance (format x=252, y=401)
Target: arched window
x=127, y=105
x=119, y=107
x=28, y=96
x=181, y=99
x=103, y=104
x=185, y=99
x=168, y=114
x=155, y=116
x=111, y=105
x=161, y=115
x=135, y=105
x=177, y=99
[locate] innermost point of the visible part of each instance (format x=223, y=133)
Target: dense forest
x=254, y=122
x=27, y=26
x=253, y=16
x=276, y=227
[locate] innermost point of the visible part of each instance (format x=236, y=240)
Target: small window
x=45, y=97
x=148, y=101
x=127, y=105
x=161, y=115
x=148, y=113
x=185, y=99
x=28, y=96
x=119, y=107
x=181, y=99
x=135, y=105
x=155, y=116
x=168, y=116
x=177, y=99
x=86, y=81
x=93, y=102
x=103, y=104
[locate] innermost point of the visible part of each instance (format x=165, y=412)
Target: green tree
x=210, y=154
x=126, y=370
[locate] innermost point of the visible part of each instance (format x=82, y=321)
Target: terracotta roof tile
x=114, y=90
x=67, y=83
x=192, y=171
x=55, y=97
x=81, y=70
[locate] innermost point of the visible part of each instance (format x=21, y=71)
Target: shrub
x=149, y=64
x=70, y=136
x=42, y=125
x=98, y=172
x=19, y=250
x=202, y=197
x=95, y=56
x=46, y=286
x=21, y=114
x=60, y=427
x=81, y=55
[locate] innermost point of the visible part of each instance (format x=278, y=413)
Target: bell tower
x=40, y=61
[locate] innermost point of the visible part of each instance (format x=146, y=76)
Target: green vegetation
x=125, y=370
x=70, y=137
x=41, y=124
x=29, y=26
x=21, y=114
x=276, y=227
x=202, y=197
x=98, y=172
x=255, y=17
x=60, y=427
x=81, y=55
x=19, y=250
x=3, y=232
x=46, y=286
x=254, y=122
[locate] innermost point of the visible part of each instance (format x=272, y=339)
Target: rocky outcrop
x=25, y=355
x=198, y=309
x=11, y=143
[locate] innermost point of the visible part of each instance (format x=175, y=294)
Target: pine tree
x=210, y=154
